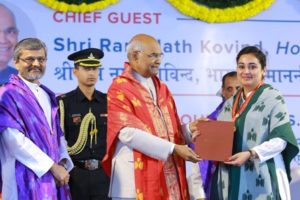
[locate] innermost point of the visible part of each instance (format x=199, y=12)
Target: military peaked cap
x=87, y=57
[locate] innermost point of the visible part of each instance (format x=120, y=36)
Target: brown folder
x=215, y=141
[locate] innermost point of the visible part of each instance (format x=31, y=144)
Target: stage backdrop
x=197, y=53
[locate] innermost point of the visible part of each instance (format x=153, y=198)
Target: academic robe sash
x=19, y=109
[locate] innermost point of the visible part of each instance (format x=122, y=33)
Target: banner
x=197, y=54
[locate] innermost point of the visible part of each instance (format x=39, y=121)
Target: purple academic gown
x=19, y=109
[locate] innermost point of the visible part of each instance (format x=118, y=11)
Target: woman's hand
x=238, y=159
x=193, y=127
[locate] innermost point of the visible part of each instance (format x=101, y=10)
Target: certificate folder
x=215, y=140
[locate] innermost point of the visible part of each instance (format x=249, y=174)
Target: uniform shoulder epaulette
x=66, y=95
x=61, y=96
x=101, y=93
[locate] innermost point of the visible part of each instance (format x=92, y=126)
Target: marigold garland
x=84, y=7
x=217, y=15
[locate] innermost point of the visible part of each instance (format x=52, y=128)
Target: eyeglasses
x=10, y=31
x=154, y=56
x=30, y=60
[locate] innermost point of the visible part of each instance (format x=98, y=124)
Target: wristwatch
x=63, y=163
x=252, y=155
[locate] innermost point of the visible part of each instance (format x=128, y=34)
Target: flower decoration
x=220, y=11
x=77, y=5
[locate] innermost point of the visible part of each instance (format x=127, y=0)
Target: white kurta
x=272, y=149
x=122, y=182
x=15, y=146
x=194, y=180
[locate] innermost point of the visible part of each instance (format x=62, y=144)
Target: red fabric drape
x=130, y=105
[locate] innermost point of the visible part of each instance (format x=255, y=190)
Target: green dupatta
x=265, y=117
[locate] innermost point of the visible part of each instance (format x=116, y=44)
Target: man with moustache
x=230, y=85
x=8, y=40
x=33, y=150
x=83, y=113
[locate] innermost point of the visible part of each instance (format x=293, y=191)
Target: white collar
x=140, y=78
x=32, y=86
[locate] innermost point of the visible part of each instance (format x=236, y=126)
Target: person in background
x=8, y=40
x=83, y=113
x=146, y=145
x=264, y=143
x=230, y=85
x=33, y=153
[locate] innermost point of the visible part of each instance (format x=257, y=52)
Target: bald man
x=8, y=40
x=146, y=145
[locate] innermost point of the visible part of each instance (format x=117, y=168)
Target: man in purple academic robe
x=33, y=154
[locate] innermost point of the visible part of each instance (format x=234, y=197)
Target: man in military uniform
x=83, y=114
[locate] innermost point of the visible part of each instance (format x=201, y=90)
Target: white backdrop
x=197, y=54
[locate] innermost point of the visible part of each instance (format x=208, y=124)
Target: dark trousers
x=89, y=185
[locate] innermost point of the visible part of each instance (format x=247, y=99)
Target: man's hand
x=186, y=153
x=60, y=174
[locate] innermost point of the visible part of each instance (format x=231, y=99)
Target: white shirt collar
x=147, y=83
x=32, y=86
x=42, y=98
x=140, y=78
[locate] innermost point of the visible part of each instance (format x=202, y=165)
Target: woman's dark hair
x=256, y=52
